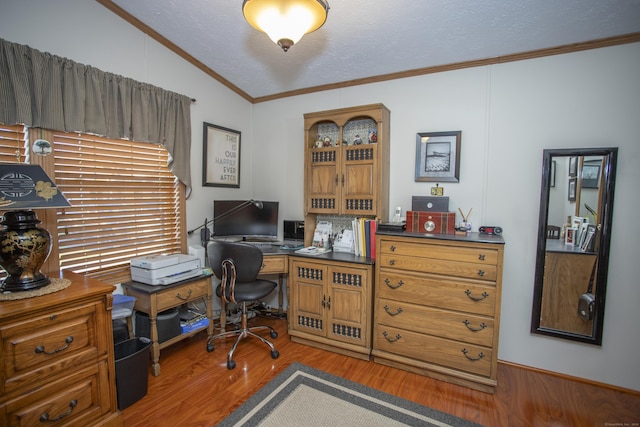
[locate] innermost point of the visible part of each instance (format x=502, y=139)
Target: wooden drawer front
x=274, y=264
x=468, y=297
x=189, y=292
x=48, y=345
x=439, y=266
x=432, y=321
x=452, y=253
x=453, y=354
x=76, y=400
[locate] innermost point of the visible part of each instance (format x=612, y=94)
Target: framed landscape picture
x=438, y=156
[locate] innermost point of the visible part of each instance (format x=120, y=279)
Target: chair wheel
x=210, y=347
x=231, y=364
x=274, y=334
x=275, y=354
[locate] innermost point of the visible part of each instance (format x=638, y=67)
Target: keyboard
x=260, y=244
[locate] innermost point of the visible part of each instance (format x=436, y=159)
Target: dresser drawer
x=48, y=345
x=432, y=321
x=459, y=295
x=451, y=354
x=274, y=264
x=76, y=400
x=439, y=266
x=173, y=297
x=476, y=255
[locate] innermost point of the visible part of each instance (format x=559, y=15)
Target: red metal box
x=431, y=222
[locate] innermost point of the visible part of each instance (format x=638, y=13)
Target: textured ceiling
x=367, y=38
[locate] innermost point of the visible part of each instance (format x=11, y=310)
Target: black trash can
x=132, y=370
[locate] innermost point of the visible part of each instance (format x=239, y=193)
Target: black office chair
x=237, y=266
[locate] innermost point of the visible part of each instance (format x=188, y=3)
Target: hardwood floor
x=196, y=389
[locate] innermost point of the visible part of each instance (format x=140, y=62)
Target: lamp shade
x=285, y=21
x=28, y=187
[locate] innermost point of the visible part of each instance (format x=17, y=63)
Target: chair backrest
x=246, y=258
x=553, y=232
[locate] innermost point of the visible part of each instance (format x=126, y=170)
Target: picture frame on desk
x=221, y=156
x=571, y=194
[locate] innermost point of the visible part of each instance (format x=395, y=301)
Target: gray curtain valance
x=47, y=91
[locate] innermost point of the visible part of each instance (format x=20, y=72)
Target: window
x=125, y=200
x=13, y=144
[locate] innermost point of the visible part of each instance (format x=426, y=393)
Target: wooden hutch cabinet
x=330, y=303
x=346, y=159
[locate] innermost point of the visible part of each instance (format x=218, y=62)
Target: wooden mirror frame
x=605, y=214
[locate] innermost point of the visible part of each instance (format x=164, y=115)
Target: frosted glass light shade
x=285, y=21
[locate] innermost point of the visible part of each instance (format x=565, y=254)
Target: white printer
x=165, y=269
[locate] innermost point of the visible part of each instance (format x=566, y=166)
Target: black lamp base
x=23, y=249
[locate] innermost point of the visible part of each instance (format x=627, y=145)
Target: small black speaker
x=293, y=230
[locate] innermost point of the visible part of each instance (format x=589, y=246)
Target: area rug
x=304, y=396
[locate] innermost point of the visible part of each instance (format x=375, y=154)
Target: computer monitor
x=247, y=223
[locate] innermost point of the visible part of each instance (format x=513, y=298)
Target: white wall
x=507, y=114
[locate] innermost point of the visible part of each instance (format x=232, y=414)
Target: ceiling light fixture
x=285, y=21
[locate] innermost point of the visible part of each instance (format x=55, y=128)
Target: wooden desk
x=155, y=299
x=274, y=261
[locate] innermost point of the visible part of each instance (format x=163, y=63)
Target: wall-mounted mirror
x=574, y=235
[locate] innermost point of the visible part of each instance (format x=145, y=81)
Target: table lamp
x=24, y=246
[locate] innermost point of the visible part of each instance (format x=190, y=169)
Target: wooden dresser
x=437, y=305
x=56, y=360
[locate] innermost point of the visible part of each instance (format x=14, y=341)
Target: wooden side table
x=155, y=299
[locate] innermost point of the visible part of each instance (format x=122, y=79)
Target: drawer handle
x=386, y=308
x=44, y=418
x=263, y=266
x=386, y=335
x=392, y=262
x=480, y=298
x=184, y=298
x=388, y=283
x=471, y=328
x=480, y=273
x=68, y=340
x=392, y=248
x=473, y=359
x=481, y=257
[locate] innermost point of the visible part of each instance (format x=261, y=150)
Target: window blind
x=125, y=203
x=13, y=144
